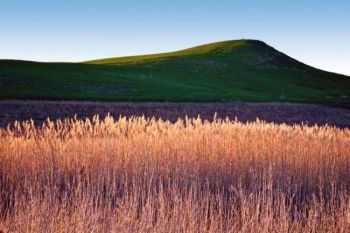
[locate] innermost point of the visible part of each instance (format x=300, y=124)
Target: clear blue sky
x=314, y=32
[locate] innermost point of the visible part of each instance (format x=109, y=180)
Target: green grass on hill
x=242, y=70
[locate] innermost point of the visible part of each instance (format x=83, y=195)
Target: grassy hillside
x=242, y=70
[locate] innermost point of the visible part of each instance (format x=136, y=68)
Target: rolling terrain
x=167, y=143
x=239, y=70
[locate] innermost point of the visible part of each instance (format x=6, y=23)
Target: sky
x=314, y=32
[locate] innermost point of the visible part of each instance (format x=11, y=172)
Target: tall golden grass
x=147, y=175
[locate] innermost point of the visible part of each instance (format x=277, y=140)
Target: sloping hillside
x=241, y=70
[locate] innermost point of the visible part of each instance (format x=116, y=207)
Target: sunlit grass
x=146, y=175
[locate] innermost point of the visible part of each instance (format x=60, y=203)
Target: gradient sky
x=314, y=32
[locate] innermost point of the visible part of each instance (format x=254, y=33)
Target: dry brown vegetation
x=138, y=175
x=288, y=113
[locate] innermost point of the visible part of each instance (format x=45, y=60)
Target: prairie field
x=142, y=174
x=288, y=113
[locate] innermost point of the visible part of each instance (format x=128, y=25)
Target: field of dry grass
x=279, y=113
x=138, y=175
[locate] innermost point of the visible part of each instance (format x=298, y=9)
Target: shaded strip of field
x=39, y=111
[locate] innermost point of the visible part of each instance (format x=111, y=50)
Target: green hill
x=241, y=70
